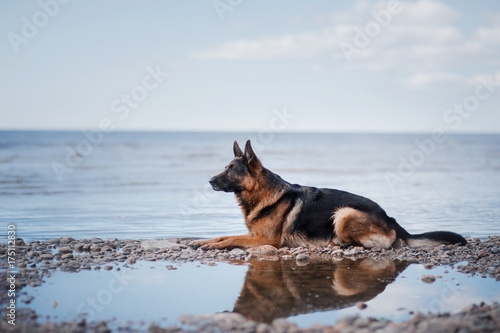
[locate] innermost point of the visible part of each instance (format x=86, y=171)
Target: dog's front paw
x=209, y=246
x=196, y=244
x=213, y=246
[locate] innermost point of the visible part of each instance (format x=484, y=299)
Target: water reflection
x=279, y=289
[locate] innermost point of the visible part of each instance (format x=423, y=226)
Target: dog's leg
x=244, y=242
x=208, y=241
x=354, y=227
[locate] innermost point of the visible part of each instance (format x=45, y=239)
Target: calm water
x=319, y=292
x=155, y=185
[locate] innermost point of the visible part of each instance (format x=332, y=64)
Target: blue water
x=155, y=185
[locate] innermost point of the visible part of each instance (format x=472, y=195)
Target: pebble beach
x=37, y=260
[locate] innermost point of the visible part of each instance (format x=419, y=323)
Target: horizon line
x=414, y=132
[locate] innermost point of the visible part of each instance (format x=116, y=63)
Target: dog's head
x=241, y=174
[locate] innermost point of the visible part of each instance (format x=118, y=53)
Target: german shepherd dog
x=281, y=214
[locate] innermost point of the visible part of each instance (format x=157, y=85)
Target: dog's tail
x=434, y=238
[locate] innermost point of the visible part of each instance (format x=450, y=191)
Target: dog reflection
x=282, y=288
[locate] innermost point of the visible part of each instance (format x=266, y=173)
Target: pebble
x=65, y=249
x=303, y=257
x=46, y=256
x=155, y=244
x=428, y=278
x=95, y=248
x=66, y=240
x=361, y=305
x=106, y=248
x=238, y=252
x=264, y=250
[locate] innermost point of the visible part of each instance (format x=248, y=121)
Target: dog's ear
x=249, y=154
x=237, y=150
x=251, y=158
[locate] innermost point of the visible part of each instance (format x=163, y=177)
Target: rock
x=338, y=252
x=250, y=257
x=108, y=267
x=131, y=260
x=70, y=266
x=361, y=305
x=67, y=256
x=35, y=283
x=55, y=264
x=469, y=308
x=238, y=253
x=32, y=254
x=96, y=240
x=283, y=325
x=218, y=322
x=106, y=248
x=46, y=256
x=417, y=317
x=358, y=249
x=102, y=327
x=348, y=320
x=482, y=253
x=263, y=250
x=66, y=240
x=154, y=244
x=303, y=257
x=28, y=299
x=19, y=242
x=428, y=278
x=95, y=248
x=65, y=249
x=79, y=247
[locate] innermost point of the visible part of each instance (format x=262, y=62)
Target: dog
x=281, y=214
x=280, y=289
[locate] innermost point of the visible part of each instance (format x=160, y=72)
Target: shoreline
x=38, y=259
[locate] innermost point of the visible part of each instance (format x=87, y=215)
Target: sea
x=139, y=185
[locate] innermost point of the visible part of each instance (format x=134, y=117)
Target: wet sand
x=36, y=261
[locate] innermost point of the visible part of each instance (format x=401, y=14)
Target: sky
x=240, y=65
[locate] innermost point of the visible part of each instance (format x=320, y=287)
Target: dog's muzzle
x=214, y=184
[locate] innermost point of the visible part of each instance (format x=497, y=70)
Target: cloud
x=424, y=79
x=421, y=42
x=300, y=45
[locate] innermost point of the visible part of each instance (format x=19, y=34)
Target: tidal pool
x=316, y=292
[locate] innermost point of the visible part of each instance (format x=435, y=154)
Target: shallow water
x=306, y=294
x=155, y=185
